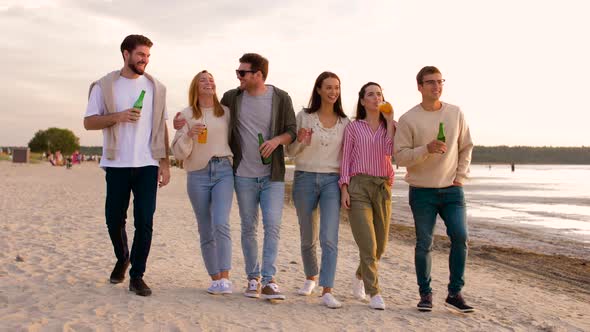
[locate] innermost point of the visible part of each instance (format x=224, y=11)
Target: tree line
x=53, y=139
x=531, y=155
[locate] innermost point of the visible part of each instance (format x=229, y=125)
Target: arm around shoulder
x=182, y=144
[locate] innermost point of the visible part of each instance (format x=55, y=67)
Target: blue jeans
x=449, y=203
x=143, y=182
x=310, y=190
x=211, y=191
x=252, y=192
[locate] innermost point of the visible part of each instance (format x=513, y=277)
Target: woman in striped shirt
x=366, y=176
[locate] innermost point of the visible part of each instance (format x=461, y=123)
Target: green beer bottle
x=139, y=102
x=265, y=161
x=441, y=132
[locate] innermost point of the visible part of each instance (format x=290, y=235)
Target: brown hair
x=132, y=41
x=315, y=101
x=426, y=71
x=257, y=63
x=193, y=98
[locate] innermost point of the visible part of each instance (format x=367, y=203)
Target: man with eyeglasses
x=436, y=171
x=258, y=108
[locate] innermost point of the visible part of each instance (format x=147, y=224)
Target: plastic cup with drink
x=202, y=136
x=307, y=138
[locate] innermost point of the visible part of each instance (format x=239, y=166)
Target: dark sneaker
x=138, y=286
x=118, y=274
x=457, y=303
x=271, y=292
x=425, y=303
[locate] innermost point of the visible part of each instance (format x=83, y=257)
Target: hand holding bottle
x=387, y=109
x=138, y=105
x=436, y=146
x=266, y=148
x=128, y=115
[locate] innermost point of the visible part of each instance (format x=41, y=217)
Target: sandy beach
x=56, y=258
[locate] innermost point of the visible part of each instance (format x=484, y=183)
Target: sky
x=518, y=69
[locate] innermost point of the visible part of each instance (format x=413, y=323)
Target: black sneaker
x=425, y=303
x=138, y=286
x=457, y=303
x=118, y=274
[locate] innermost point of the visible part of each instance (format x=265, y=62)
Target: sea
x=550, y=196
x=553, y=197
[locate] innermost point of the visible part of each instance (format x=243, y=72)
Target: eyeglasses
x=243, y=73
x=432, y=82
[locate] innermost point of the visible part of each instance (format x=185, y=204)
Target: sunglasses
x=243, y=73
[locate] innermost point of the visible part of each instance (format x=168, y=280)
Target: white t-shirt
x=133, y=138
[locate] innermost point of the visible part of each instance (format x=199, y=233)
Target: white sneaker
x=214, y=288
x=253, y=289
x=225, y=286
x=358, y=289
x=377, y=302
x=330, y=301
x=307, y=288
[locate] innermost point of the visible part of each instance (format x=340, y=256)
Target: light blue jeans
x=211, y=191
x=310, y=190
x=270, y=195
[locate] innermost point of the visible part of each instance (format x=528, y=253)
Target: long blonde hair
x=193, y=98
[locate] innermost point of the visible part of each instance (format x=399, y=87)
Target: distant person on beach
x=135, y=154
x=51, y=159
x=202, y=144
x=259, y=112
x=318, y=153
x=59, y=158
x=366, y=177
x=436, y=171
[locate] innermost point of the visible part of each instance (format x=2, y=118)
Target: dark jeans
x=449, y=203
x=143, y=182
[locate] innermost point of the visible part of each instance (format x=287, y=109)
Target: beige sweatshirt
x=196, y=155
x=324, y=153
x=418, y=127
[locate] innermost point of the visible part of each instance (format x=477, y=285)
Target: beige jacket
x=159, y=131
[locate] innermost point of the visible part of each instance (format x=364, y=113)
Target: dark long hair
x=315, y=101
x=361, y=112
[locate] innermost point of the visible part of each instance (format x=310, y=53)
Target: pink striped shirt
x=365, y=152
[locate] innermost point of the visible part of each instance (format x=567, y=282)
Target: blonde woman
x=202, y=143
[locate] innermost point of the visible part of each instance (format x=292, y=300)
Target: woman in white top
x=202, y=143
x=317, y=153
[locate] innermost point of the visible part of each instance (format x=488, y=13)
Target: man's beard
x=134, y=68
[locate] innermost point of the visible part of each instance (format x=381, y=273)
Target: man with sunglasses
x=436, y=170
x=259, y=108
